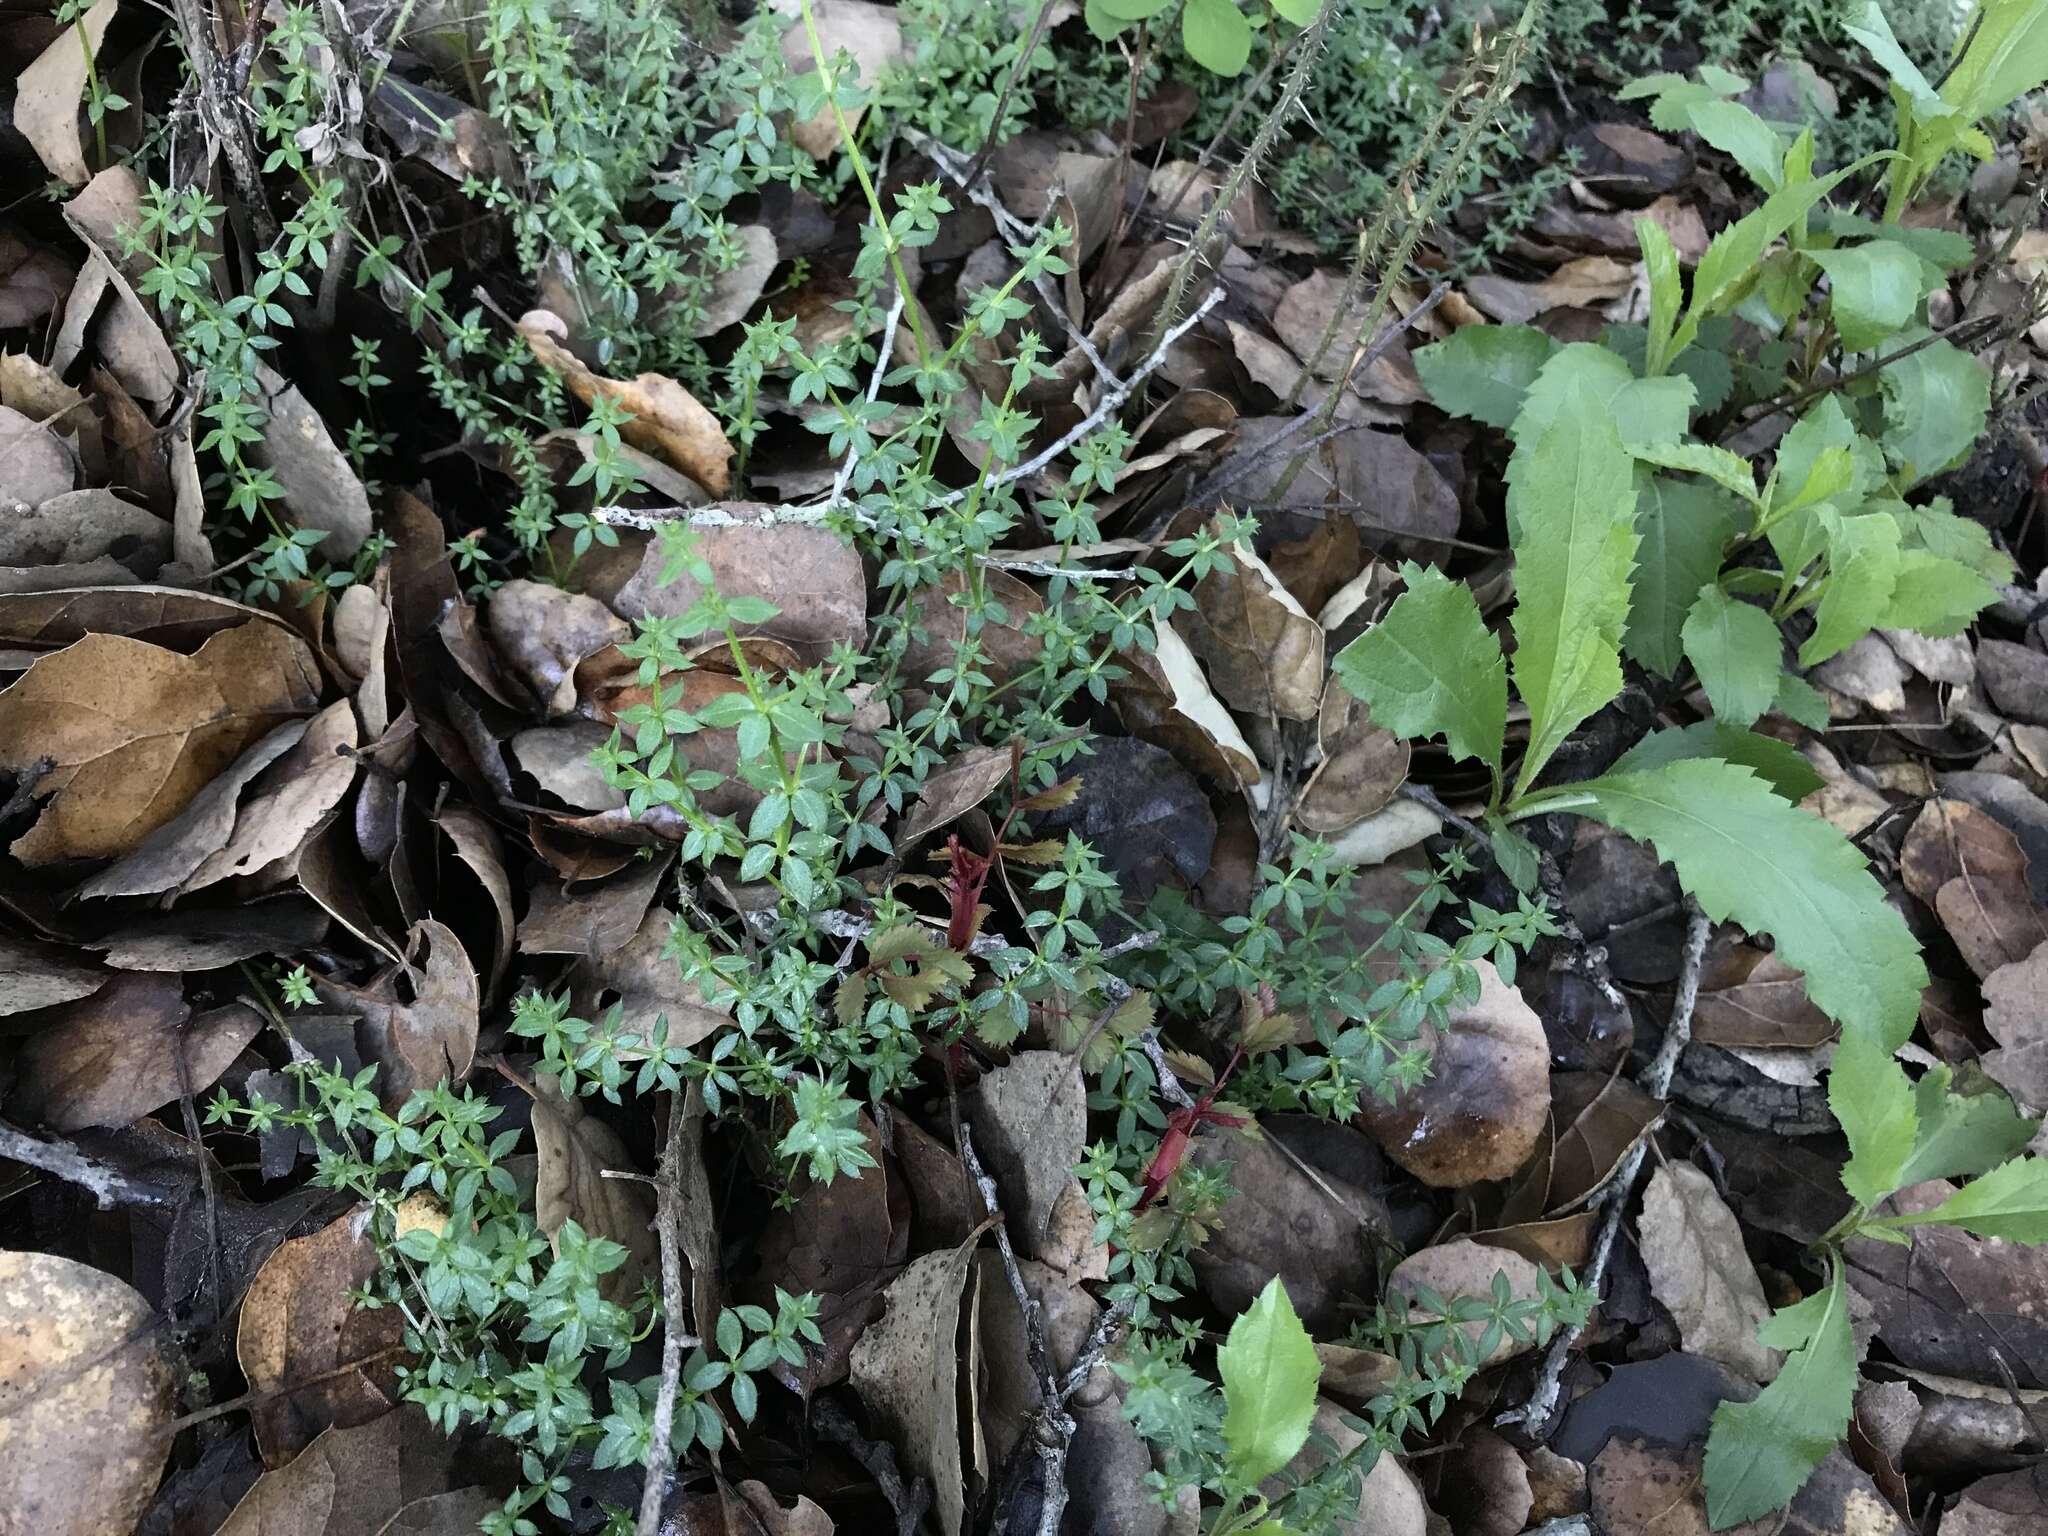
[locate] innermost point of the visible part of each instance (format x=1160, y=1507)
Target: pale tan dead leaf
x=482, y=851
x=299, y=1326
x=35, y=466
x=2013, y=1017
x=735, y=291
x=350, y=1482
x=321, y=487
x=418, y=1023
x=189, y=542
x=133, y=731
x=1588, y=282
x=109, y=1059
x=1305, y=313
x=33, y=282
x=1031, y=1126
x=574, y=1150
x=105, y=206
x=810, y=573
x=1692, y=1247
x=1751, y=998
x=1363, y=766
x=1263, y=653
x=362, y=629
x=1462, y=1267
x=79, y=527
x=1165, y=698
x=127, y=338
x=1483, y=1108
x=1390, y=1501
x=1400, y=826
x=801, y=1519
x=290, y=801
x=667, y=419
x=458, y=1512
x=870, y=33
x=953, y=789
x=86, y=1387
x=543, y=632
x=50, y=94
x=906, y=1368
x=42, y=976
x=649, y=986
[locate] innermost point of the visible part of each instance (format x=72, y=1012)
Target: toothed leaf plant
x=1638, y=539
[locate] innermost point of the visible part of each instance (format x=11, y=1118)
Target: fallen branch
x=60, y=1159
x=683, y=1121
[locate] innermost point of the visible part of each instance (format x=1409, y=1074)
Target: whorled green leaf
x=1430, y=668
x=1269, y=1369
x=1760, y=1453
x=1749, y=857
x=1571, y=524
x=1484, y=371
x=1735, y=649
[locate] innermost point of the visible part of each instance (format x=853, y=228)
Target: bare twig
x=225, y=117
x=1170, y=1084
x=1538, y=1413
x=60, y=1159
x=668, y=1221
x=1017, y=68
x=1426, y=797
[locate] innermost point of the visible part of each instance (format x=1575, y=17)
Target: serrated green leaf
x=1873, y=290
x=1744, y=137
x=1269, y=1368
x=1872, y=1101
x=1216, y=35
x=1484, y=371
x=1863, y=570
x=1935, y=595
x=1799, y=701
x=1778, y=764
x=1935, y=402
x=1760, y=1453
x=1735, y=649
x=1874, y=32
x=1749, y=857
x=1644, y=411
x=1674, y=95
x=1962, y=1134
x=2006, y=56
x=1571, y=525
x=1429, y=668
x=1935, y=528
x=1728, y=470
x=2011, y=1201
x=1667, y=291
x=1683, y=527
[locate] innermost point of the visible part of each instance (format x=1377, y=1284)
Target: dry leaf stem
x=1537, y=1414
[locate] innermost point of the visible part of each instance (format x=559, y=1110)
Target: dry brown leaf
x=458, y=1512
x=810, y=573
x=478, y=846
x=33, y=282
x=298, y=1325
x=290, y=801
x=1692, y=1247
x=37, y=976
x=126, y=336
x=321, y=488
x=953, y=789
x=1595, y=1120
x=1305, y=313
x=50, y=94
x=871, y=33
x=906, y=1368
x=1752, y=998
x=667, y=419
x=349, y=1482
x=420, y=1041
x=735, y=291
x=650, y=986
x=1588, y=282
x=1264, y=654
x=543, y=632
x=1164, y=697
x=1483, y=1108
x=1484, y=1487
x=79, y=527
x=86, y=1387
x=1363, y=766
x=34, y=463
x=1031, y=1125
x=134, y=731
x=574, y=1150
x=1462, y=1267
x=1390, y=1501
x=111, y=1058
x=2013, y=1017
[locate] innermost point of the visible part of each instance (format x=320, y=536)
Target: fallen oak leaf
x=49, y=93
x=667, y=419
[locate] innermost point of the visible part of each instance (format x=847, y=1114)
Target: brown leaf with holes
x=418, y=1022
x=86, y=1387
x=111, y=1058
x=299, y=1326
x=667, y=418
x=132, y=732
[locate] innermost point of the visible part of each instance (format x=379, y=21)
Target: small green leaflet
x=1571, y=524
x=1744, y=137
x=1873, y=1103
x=1760, y=1453
x=1674, y=96
x=1748, y=856
x=1734, y=646
x=1778, y=764
x=1484, y=371
x=1269, y=1368
x=1873, y=290
x=1962, y=1135
x=2010, y=1201
x=1431, y=668
x=1684, y=526
x=1863, y=569
x=1935, y=402
x=1801, y=702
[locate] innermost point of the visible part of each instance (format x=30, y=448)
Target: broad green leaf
x=1962, y=1134
x=1644, y=410
x=1874, y=32
x=1760, y=1453
x=1430, y=668
x=1799, y=701
x=1863, y=568
x=1675, y=96
x=1217, y=36
x=1518, y=858
x=1750, y=858
x=1125, y=11
x=2006, y=57
x=1705, y=362
x=1872, y=1101
x=1936, y=595
x=1809, y=461
x=1571, y=525
x=1269, y=1368
x=1941, y=248
x=1730, y=471
x=1300, y=12
x=1873, y=290
x=1667, y=291
x=1935, y=402
x=1684, y=525
x=1735, y=648
x=1744, y=137
x=1778, y=764
x=1484, y=371
x=2010, y=1201
x=1833, y=474
x=1935, y=528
